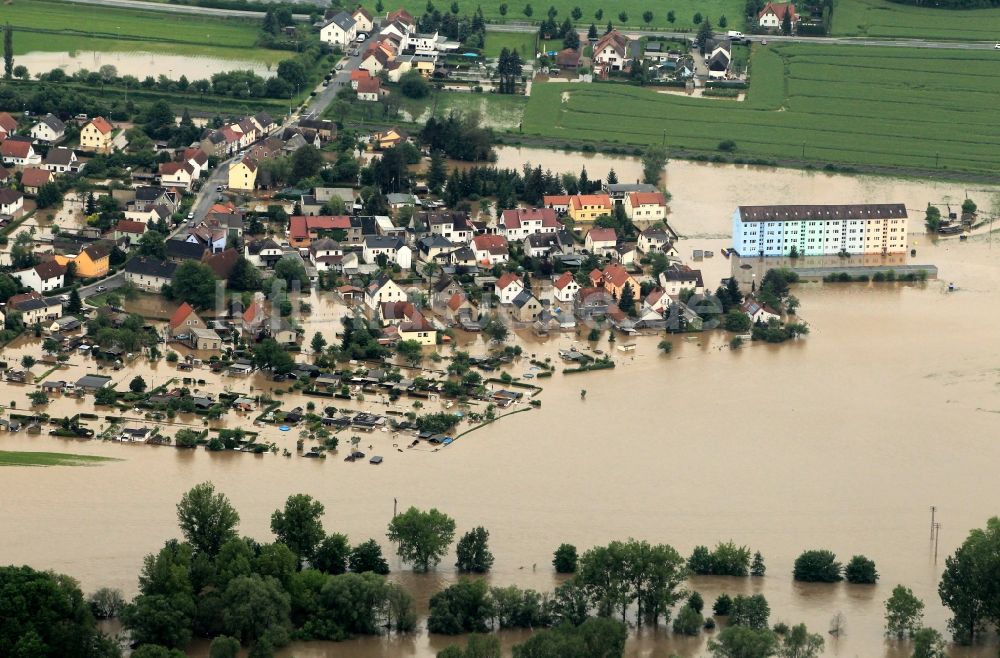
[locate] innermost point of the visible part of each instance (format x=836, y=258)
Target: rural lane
x=181, y=9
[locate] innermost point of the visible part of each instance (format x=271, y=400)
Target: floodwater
x=842, y=440
x=140, y=63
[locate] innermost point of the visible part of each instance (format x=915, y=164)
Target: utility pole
x=394, y=503
x=933, y=510
x=937, y=535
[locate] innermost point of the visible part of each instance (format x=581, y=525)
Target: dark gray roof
x=383, y=242
x=151, y=267
x=93, y=381
x=53, y=122
x=342, y=19
x=815, y=213
x=182, y=249
x=59, y=156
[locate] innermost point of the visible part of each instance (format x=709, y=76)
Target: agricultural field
x=881, y=18
x=523, y=42
x=51, y=26
x=892, y=107
x=684, y=11
x=8, y=458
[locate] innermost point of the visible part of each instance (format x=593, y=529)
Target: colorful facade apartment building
x=876, y=228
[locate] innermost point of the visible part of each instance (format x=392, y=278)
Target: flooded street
x=842, y=440
x=139, y=64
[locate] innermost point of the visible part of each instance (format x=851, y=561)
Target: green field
x=8, y=458
x=881, y=18
x=522, y=42
x=48, y=25
x=683, y=9
x=911, y=108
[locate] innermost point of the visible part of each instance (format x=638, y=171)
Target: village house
x=382, y=289
x=91, y=262
x=490, y=249
x=773, y=15
x=19, y=153
x=326, y=254
x=459, y=310
x=507, y=287
x=625, y=253
x=452, y=225
x=601, y=241
x=370, y=90
x=127, y=233
x=179, y=251
x=48, y=130
x=611, y=53
x=525, y=308
x=676, y=279
x=618, y=191
x=149, y=274
x=183, y=320
x=418, y=329
x=8, y=125
x=568, y=59
x=585, y=208
x=757, y=311
x=198, y=160
x=557, y=202
x=243, y=175
x=389, y=138
x=394, y=249
x=61, y=160
x=97, y=136
x=303, y=230
x=204, y=339
x=645, y=206
x=33, y=178
x=35, y=308
x=339, y=30
x=176, y=174
x=614, y=279
x=565, y=288
x=519, y=223
x=43, y=277
x=718, y=56
x=11, y=203
x=254, y=321
x=656, y=239
x=363, y=20
x=374, y=62
x=431, y=248
x=262, y=253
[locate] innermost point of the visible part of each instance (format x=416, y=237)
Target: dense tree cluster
x=217, y=584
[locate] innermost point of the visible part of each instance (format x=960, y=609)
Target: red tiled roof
x=35, y=177
x=129, y=226
x=617, y=276
x=602, y=235
x=102, y=125
x=507, y=279
x=364, y=12
x=564, y=280
x=369, y=86
x=556, y=200
x=171, y=168
x=15, y=148
x=180, y=315
x=647, y=199
x=779, y=9
x=7, y=122
x=495, y=244
x=399, y=15
x=581, y=200
x=360, y=74
x=456, y=301
x=255, y=311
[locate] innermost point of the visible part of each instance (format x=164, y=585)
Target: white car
x=361, y=37
x=101, y=288
x=996, y=46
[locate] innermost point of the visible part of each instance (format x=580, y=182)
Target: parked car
x=101, y=288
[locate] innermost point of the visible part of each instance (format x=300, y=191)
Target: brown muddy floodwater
x=842, y=440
